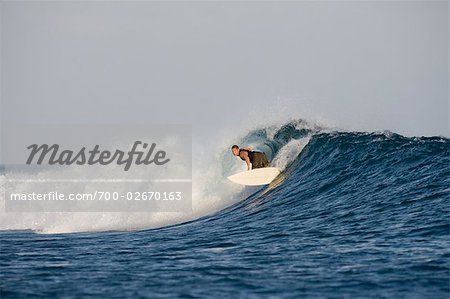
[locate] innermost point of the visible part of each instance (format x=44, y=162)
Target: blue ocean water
x=358, y=215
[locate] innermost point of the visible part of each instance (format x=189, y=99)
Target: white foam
x=288, y=153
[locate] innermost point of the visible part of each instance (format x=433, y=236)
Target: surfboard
x=255, y=177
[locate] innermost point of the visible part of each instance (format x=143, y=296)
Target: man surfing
x=252, y=158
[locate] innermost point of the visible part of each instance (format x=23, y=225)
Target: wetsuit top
x=250, y=154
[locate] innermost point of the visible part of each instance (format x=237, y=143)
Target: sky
x=364, y=66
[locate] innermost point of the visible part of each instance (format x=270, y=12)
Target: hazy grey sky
x=359, y=65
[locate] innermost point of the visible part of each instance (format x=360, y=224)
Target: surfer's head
x=235, y=150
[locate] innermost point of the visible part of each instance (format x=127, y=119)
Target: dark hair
x=234, y=146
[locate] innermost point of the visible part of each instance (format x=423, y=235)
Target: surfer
x=252, y=158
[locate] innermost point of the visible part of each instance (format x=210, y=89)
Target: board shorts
x=259, y=160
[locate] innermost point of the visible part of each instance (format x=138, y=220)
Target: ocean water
x=354, y=215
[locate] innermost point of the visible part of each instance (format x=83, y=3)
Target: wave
x=339, y=171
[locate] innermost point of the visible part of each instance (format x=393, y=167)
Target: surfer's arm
x=249, y=165
x=244, y=156
x=247, y=148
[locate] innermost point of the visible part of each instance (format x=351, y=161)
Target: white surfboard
x=255, y=177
